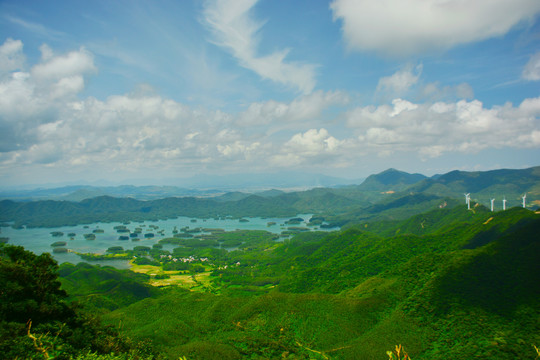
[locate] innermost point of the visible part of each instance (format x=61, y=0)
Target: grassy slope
x=104, y=288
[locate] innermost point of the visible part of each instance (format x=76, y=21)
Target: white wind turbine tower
x=504, y=203
x=524, y=197
x=492, y=201
x=468, y=201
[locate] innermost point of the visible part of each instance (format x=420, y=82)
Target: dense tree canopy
x=36, y=321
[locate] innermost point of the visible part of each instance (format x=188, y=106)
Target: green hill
x=448, y=283
x=104, y=288
x=467, y=288
x=413, y=267
x=397, y=206
x=390, y=180
x=390, y=195
x=484, y=185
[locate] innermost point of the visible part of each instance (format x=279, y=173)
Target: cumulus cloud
x=46, y=52
x=401, y=81
x=531, y=71
x=406, y=82
x=44, y=123
x=11, y=56
x=405, y=27
x=313, y=142
x=131, y=132
x=234, y=28
x=305, y=107
x=33, y=98
x=239, y=150
x=315, y=146
x=59, y=67
x=433, y=129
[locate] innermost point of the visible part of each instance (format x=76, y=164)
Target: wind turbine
x=468, y=201
x=504, y=203
x=524, y=197
x=492, y=201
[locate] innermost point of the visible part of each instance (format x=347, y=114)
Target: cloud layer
x=45, y=122
x=406, y=27
x=433, y=129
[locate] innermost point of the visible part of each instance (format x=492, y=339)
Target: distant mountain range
x=82, y=192
x=390, y=195
x=482, y=185
x=198, y=186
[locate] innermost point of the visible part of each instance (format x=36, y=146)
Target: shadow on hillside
x=498, y=277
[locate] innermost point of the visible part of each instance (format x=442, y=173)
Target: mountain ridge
x=414, y=194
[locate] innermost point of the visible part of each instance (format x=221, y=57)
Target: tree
x=36, y=321
x=29, y=288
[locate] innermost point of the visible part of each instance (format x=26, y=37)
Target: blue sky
x=120, y=90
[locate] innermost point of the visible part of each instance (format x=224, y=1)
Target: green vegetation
x=37, y=321
x=348, y=295
x=58, y=243
x=449, y=283
x=407, y=267
x=390, y=195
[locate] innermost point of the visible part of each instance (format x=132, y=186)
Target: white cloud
x=42, y=121
x=30, y=99
x=531, y=71
x=401, y=81
x=238, y=150
x=405, y=27
x=233, y=28
x=315, y=148
x=313, y=142
x=46, y=52
x=382, y=136
x=132, y=132
x=66, y=86
x=72, y=64
x=433, y=129
x=401, y=105
x=20, y=111
x=405, y=82
x=11, y=56
x=305, y=107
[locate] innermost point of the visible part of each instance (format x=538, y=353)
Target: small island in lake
x=59, y=243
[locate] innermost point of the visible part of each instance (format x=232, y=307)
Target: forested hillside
x=448, y=283
x=406, y=267
x=390, y=195
x=462, y=289
x=484, y=185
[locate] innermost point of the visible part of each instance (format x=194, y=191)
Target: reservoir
x=39, y=240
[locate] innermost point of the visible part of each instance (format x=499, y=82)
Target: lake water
x=39, y=240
